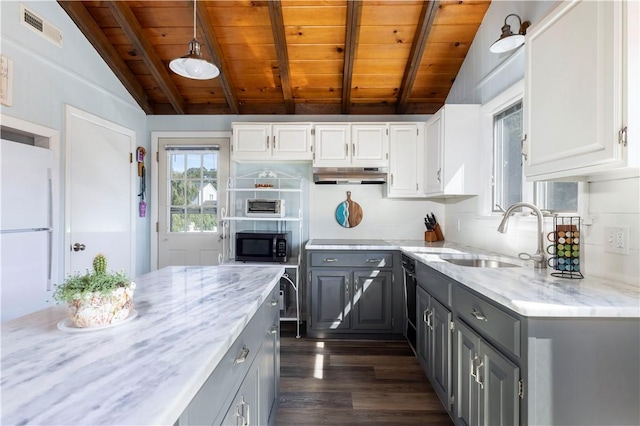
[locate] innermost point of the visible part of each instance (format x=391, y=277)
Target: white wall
x=46, y=77
x=611, y=202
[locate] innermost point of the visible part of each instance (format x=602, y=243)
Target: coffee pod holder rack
x=567, y=246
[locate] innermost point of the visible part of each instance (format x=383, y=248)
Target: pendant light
x=508, y=40
x=192, y=65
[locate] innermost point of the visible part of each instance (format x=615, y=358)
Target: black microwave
x=263, y=246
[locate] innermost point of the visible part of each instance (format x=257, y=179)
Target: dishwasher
x=410, y=283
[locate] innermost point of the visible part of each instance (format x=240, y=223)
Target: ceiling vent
x=32, y=20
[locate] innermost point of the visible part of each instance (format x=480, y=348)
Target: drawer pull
x=374, y=260
x=274, y=302
x=243, y=356
x=329, y=259
x=478, y=315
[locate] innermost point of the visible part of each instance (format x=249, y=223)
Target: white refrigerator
x=25, y=228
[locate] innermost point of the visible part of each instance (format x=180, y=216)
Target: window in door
x=193, y=189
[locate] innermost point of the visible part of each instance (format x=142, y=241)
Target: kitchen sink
x=479, y=263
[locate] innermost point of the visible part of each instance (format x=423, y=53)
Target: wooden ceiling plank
x=277, y=26
x=215, y=52
x=88, y=26
x=354, y=17
x=130, y=25
x=427, y=16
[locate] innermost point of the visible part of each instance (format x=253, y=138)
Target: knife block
x=430, y=236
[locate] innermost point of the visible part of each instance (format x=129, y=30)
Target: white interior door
x=192, y=178
x=100, y=193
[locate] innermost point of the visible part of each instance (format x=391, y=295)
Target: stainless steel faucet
x=539, y=259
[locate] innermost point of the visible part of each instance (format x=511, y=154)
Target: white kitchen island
x=146, y=371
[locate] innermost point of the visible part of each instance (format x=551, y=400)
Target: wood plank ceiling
x=288, y=56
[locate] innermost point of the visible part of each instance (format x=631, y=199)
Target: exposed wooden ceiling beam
x=277, y=27
x=88, y=26
x=427, y=15
x=354, y=13
x=215, y=52
x=131, y=27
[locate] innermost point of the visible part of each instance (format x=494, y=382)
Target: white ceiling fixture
x=192, y=65
x=508, y=40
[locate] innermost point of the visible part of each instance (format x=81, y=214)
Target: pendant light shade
x=508, y=40
x=192, y=65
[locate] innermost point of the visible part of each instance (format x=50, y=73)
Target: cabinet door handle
x=346, y=288
x=239, y=416
x=478, y=315
x=274, y=142
x=247, y=415
x=472, y=370
x=346, y=149
x=429, y=322
x=438, y=175
x=391, y=176
x=353, y=149
x=243, y=356
x=480, y=364
x=523, y=148
x=425, y=317
x=329, y=259
x=267, y=142
x=374, y=260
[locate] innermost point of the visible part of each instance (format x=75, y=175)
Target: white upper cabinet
x=268, y=142
x=353, y=145
x=406, y=160
x=452, y=151
x=577, y=98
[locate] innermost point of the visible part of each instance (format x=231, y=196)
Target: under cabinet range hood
x=349, y=175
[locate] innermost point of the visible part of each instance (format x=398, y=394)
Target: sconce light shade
x=508, y=40
x=193, y=66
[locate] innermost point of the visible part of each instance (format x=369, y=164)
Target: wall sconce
x=508, y=40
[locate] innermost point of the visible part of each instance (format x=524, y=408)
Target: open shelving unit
x=273, y=186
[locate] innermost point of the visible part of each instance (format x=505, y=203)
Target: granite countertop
x=522, y=289
x=145, y=371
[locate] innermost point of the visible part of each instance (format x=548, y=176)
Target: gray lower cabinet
x=486, y=391
x=434, y=343
x=353, y=293
x=243, y=389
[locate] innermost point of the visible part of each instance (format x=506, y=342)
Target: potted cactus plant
x=97, y=298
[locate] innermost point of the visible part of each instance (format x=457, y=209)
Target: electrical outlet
x=616, y=240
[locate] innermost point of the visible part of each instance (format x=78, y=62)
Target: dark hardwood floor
x=349, y=382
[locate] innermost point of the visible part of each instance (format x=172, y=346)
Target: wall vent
x=32, y=20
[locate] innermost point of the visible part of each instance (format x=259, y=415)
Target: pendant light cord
x=194, y=18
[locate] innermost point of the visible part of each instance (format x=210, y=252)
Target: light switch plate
x=616, y=239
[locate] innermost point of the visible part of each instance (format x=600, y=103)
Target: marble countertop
x=522, y=289
x=145, y=371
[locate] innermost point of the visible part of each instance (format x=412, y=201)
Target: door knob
x=78, y=247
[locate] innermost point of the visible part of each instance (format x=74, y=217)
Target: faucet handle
x=538, y=259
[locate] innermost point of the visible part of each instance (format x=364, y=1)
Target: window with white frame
x=508, y=183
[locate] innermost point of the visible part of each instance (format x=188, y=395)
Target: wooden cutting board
x=349, y=213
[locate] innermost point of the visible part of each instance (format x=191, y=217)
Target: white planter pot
x=97, y=309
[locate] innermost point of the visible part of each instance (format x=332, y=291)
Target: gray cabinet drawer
x=361, y=259
x=497, y=325
x=434, y=283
